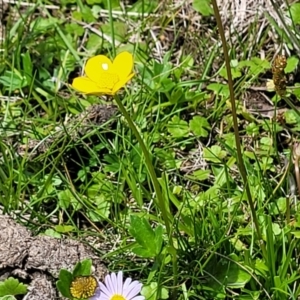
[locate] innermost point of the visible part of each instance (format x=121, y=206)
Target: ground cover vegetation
x=183, y=172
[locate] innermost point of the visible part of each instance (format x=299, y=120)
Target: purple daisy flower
x=115, y=289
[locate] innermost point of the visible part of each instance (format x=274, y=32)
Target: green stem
x=160, y=199
x=112, y=29
x=236, y=131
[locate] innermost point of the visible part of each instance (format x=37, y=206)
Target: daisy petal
x=109, y=284
x=133, y=289
x=136, y=298
x=126, y=283
x=123, y=64
x=114, y=288
x=113, y=278
x=95, y=67
x=119, y=285
x=104, y=289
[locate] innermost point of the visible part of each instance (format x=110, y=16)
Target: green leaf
x=295, y=12
x=42, y=24
x=27, y=66
x=292, y=63
x=120, y=30
x=64, y=281
x=231, y=275
x=52, y=233
x=214, y=154
x=149, y=240
x=219, y=89
x=103, y=208
x=278, y=207
x=91, y=2
x=83, y=268
x=199, y=175
x=64, y=199
x=65, y=278
x=9, y=297
x=87, y=14
x=158, y=231
x=150, y=292
x=178, y=128
x=94, y=42
x=144, y=6
x=13, y=81
x=167, y=157
x=296, y=234
x=235, y=72
x=198, y=126
x=74, y=28
x=12, y=286
x=64, y=228
x=203, y=7
x=256, y=65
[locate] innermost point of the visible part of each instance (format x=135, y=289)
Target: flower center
x=117, y=297
x=107, y=80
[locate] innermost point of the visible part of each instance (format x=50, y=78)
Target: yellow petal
x=87, y=86
x=121, y=83
x=123, y=64
x=95, y=67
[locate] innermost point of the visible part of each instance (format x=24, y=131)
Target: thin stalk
x=112, y=29
x=236, y=132
x=160, y=201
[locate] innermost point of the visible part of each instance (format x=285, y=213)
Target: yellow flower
x=104, y=76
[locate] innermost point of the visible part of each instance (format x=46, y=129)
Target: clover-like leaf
x=12, y=286
x=199, y=125
x=178, y=128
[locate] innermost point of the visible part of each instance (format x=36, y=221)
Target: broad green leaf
x=149, y=240
x=12, y=286
x=94, y=42
x=64, y=198
x=203, y=7
x=13, y=81
x=113, y=3
x=214, y=153
x=64, y=228
x=120, y=30
x=295, y=12
x=231, y=275
x=150, y=292
x=178, y=128
x=292, y=64
x=83, y=268
x=87, y=14
x=144, y=6
x=8, y=297
x=52, y=233
x=74, y=28
x=198, y=126
x=296, y=234
x=167, y=157
x=219, y=89
x=200, y=175
x=64, y=281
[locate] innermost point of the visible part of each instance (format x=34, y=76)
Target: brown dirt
x=37, y=260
